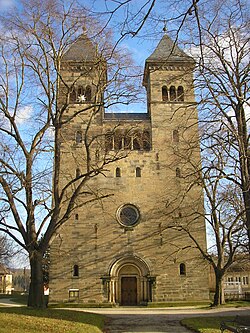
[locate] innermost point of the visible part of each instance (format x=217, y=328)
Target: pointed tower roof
x=168, y=51
x=82, y=50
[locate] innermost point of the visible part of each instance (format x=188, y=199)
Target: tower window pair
x=173, y=94
x=137, y=172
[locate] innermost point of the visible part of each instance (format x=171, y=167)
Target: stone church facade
x=133, y=246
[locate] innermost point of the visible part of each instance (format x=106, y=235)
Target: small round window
x=128, y=215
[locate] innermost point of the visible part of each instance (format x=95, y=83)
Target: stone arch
x=129, y=282
x=164, y=92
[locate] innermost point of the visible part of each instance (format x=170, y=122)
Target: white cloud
x=24, y=114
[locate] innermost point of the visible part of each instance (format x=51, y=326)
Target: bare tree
x=34, y=115
x=223, y=79
x=6, y=250
x=221, y=48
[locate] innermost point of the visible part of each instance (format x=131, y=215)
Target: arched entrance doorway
x=129, y=281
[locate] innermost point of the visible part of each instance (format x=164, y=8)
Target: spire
x=168, y=51
x=82, y=50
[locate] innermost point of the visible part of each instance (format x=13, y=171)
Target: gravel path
x=162, y=320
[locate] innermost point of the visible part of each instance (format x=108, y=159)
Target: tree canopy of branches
x=217, y=34
x=224, y=81
x=221, y=49
x=34, y=40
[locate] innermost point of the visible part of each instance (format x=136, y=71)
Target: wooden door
x=129, y=290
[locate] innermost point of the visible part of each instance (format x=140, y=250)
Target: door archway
x=129, y=283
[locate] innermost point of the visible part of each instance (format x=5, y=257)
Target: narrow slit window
x=118, y=172
x=176, y=136
x=76, y=217
x=138, y=172
x=182, y=269
x=75, y=270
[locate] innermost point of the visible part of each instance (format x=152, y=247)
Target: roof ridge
x=82, y=49
x=167, y=50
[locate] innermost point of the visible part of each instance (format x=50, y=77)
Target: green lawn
x=205, y=324
x=25, y=320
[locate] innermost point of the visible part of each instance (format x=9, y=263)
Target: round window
x=128, y=215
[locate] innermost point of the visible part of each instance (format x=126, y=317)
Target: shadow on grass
x=68, y=315
x=205, y=324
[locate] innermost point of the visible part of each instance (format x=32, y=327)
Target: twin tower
x=128, y=240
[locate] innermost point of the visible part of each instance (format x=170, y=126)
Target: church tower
x=133, y=246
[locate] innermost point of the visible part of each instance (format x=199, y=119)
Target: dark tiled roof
x=126, y=116
x=168, y=51
x=82, y=50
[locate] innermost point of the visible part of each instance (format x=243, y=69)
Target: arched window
x=146, y=140
x=164, y=91
x=78, y=136
x=76, y=217
x=81, y=94
x=137, y=141
x=80, y=91
x=175, y=136
x=118, y=172
x=78, y=172
x=182, y=269
x=88, y=93
x=127, y=141
x=138, y=172
x=109, y=138
x=118, y=140
x=172, y=93
x=72, y=96
x=180, y=94
x=75, y=270
x=178, y=172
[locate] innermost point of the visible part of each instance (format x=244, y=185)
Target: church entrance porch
x=129, y=282
x=129, y=291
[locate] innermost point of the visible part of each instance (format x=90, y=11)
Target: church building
x=129, y=240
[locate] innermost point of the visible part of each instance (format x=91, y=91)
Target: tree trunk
x=36, y=291
x=219, y=297
x=246, y=197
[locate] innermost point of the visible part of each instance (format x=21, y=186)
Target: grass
x=16, y=297
x=25, y=320
x=205, y=324
x=236, y=304
x=178, y=304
